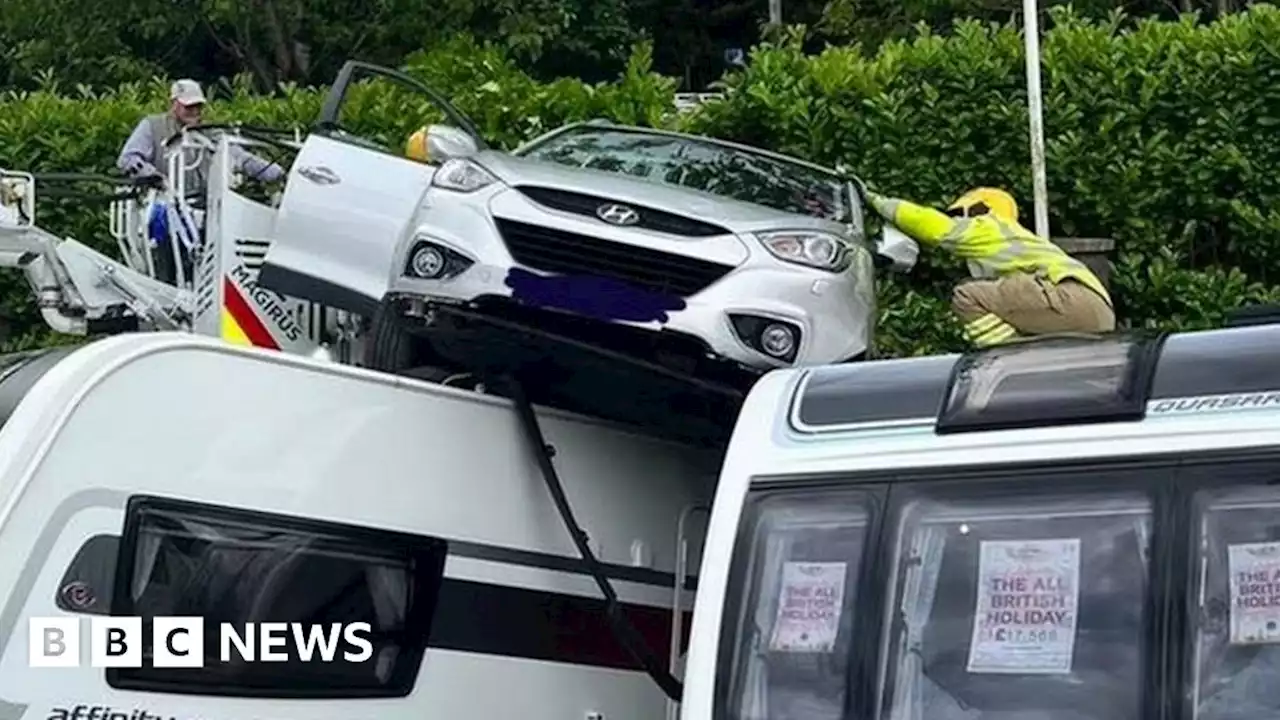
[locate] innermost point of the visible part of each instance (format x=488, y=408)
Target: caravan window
x=1237, y=648
x=240, y=568
x=1030, y=607
x=794, y=639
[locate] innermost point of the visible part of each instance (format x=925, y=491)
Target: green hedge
x=1163, y=136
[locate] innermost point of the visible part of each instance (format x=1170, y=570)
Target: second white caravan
x=1057, y=530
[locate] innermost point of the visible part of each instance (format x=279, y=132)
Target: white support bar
x=17, y=199
x=688, y=101
x=1031, y=31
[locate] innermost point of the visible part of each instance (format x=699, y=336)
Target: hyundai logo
x=616, y=214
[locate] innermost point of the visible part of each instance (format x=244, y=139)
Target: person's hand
x=153, y=181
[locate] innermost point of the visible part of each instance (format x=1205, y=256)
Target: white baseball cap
x=187, y=92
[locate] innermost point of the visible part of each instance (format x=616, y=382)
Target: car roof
x=676, y=134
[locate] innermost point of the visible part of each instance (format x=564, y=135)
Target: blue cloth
x=158, y=225
x=161, y=229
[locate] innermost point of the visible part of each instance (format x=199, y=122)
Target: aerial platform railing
x=80, y=290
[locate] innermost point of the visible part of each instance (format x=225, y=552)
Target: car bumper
x=830, y=311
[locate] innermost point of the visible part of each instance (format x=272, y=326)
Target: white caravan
x=171, y=474
x=1063, y=530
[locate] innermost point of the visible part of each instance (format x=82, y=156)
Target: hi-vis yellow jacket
x=992, y=247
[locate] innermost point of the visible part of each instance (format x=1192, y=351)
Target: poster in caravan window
x=1028, y=600
x=810, y=603
x=1255, y=592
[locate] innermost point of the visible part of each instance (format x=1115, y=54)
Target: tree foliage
x=1160, y=135
x=275, y=41
x=84, y=42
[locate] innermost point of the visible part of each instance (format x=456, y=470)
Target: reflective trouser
x=996, y=311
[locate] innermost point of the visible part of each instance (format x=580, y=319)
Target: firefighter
x=1024, y=285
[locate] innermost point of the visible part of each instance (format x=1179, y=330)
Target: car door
x=343, y=211
x=348, y=200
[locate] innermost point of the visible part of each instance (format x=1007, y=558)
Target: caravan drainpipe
x=623, y=630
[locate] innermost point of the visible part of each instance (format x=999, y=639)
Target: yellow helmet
x=416, y=147
x=983, y=200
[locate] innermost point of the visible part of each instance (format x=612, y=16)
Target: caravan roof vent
x=1050, y=381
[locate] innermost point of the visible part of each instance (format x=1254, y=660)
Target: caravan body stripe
x=493, y=618
x=243, y=321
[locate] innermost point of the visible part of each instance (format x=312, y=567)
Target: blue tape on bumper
x=596, y=297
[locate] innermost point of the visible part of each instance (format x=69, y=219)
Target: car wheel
x=392, y=348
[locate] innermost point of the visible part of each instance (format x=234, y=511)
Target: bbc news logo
x=179, y=642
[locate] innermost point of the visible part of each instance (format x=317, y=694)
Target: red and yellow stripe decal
x=240, y=324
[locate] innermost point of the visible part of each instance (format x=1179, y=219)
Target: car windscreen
x=702, y=165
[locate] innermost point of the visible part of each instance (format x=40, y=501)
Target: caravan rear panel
x=161, y=475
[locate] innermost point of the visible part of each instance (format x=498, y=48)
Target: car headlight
x=462, y=175
x=814, y=249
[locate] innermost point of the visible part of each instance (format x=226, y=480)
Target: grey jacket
x=144, y=154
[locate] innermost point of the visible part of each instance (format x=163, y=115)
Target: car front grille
x=558, y=251
x=650, y=219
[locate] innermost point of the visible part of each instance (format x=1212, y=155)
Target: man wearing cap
x=143, y=157
x=143, y=153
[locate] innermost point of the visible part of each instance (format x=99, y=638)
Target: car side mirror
x=897, y=250
x=445, y=142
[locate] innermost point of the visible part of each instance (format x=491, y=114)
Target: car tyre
x=390, y=347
